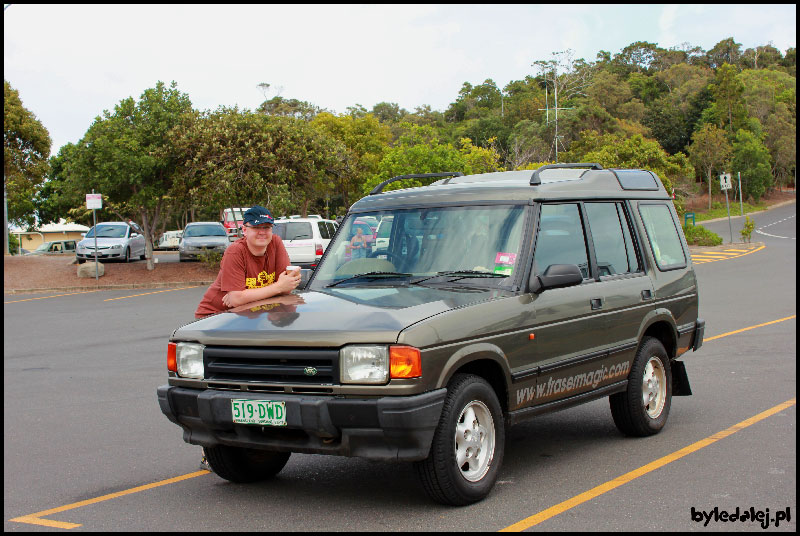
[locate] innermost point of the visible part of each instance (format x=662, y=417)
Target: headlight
x=116, y=246
x=189, y=357
x=364, y=364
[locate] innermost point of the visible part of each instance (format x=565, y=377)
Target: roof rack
x=536, y=180
x=379, y=188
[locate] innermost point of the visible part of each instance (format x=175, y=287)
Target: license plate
x=263, y=412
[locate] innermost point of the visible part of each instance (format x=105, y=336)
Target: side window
x=662, y=233
x=70, y=246
x=331, y=228
x=612, y=239
x=323, y=230
x=560, y=238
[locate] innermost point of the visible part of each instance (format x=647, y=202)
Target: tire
x=81, y=261
x=241, y=465
x=643, y=408
x=127, y=255
x=443, y=478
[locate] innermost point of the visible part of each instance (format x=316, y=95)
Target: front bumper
x=102, y=254
x=388, y=428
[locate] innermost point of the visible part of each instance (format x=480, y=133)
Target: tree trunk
x=709, y=188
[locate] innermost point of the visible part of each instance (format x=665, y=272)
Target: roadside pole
x=741, y=206
x=94, y=201
x=725, y=185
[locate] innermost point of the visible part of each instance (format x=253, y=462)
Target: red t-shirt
x=240, y=270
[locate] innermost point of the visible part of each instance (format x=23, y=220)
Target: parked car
x=169, y=240
x=305, y=239
x=57, y=247
x=117, y=240
x=383, y=233
x=501, y=297
x=201, y=236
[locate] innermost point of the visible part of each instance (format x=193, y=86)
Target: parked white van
x=169, y=240
x=306, y=239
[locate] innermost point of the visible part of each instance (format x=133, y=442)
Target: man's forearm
x=240, y=297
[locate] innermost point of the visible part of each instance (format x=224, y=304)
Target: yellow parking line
x=146, y=293
x=56, y=296
x=636, y=473
x=553, y=511
x=35, y=519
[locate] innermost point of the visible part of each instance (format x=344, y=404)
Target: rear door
x=298, y=238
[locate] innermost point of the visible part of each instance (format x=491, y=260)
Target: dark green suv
x=494, y=298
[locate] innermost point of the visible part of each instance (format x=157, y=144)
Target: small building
x=62, y=230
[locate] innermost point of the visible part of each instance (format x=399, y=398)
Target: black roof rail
x=536, y=181
x=379, y=188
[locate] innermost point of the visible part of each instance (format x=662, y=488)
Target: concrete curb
x=109, y=287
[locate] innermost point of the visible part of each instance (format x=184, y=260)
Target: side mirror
x=556, y=276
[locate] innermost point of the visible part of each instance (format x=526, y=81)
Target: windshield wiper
x=460, y=274
x=371, y=275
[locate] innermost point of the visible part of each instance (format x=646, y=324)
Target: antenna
x=546, y=103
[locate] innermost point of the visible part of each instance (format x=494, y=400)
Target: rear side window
x=323, y=230
x=662, y=233
x=560, y=239
x=612, y=239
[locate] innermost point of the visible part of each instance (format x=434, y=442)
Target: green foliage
x=753, y=159
x=26, y=147
x=211, y=259
x=747, y=230
x=616, y=151
x=709, y=152
x=697, y=235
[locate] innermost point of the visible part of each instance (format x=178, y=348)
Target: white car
x=305, y=239
x=115, y=240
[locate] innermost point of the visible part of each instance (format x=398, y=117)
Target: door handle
x=647, y=295
x=597, y=303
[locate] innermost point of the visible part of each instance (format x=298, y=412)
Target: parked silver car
x=202, y=236
x=57, y=247
x=115, y=240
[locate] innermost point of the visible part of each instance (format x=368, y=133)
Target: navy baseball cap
x=257, y=216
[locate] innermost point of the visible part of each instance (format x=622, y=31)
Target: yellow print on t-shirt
x=262, y=280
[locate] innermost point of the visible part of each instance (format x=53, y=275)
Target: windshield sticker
x=503, y=270
x=505, y=259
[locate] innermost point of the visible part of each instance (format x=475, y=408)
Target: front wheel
x=642, y=409
x=467, y=448
x=242, y=465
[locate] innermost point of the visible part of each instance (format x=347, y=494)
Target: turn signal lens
x=404, y=362
x=172, y=360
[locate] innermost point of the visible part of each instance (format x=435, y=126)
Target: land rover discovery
x=493, y=299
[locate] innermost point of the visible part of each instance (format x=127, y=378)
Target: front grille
x=312, y=366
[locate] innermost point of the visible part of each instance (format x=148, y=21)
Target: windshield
x=475, y=245
x=108, y=231
x=204, y=230
x=44, y=247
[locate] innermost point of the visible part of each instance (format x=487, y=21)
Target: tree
x=752, y=159
x=125, y=156
x=709, y=151
x=366, y=138
x=238, y=158
x=728, y=109
x=26, y=148
x=726, y=51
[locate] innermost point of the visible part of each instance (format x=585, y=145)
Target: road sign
x=94, y=201
x=725, y=181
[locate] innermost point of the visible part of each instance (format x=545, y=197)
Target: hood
x=330, y=318
x=206, y=240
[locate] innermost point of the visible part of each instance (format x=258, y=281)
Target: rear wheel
x=643, y=408
x=467, y=448
x=243, y=465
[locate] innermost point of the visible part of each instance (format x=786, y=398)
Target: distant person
x=358, y=245
x=253, y=268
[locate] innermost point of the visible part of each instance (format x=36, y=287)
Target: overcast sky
x=70, y=62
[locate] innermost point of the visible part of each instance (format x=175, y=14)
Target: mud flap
x=680, y=380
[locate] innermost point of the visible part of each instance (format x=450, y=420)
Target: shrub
x=747, y=230
x=697, y=235
x=211, y=259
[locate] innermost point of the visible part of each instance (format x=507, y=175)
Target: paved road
x=82, y=422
